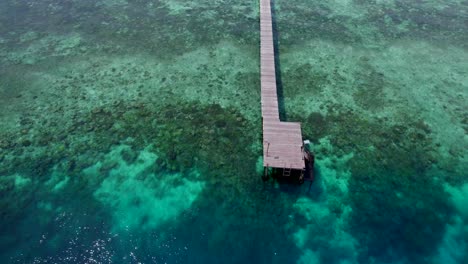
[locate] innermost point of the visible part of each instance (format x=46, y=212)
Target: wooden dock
x=282, y=141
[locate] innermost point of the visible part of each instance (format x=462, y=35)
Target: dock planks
x=282, y=141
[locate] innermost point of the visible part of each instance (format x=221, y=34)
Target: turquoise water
x=131, y=132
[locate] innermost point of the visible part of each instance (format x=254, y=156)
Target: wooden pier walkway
x=282, y=141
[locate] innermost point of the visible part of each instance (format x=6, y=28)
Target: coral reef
x=130, y=132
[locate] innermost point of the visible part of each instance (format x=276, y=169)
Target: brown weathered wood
x=282, y=141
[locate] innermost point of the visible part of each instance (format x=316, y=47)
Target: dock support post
x=265, y=173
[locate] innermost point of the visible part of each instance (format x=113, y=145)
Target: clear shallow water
x=130, y=132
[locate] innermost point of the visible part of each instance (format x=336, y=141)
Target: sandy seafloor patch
x=130, y=132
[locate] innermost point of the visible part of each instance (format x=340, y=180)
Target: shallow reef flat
x=384, y=82
x=131, y=132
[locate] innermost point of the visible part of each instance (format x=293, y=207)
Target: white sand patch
x=326, y=232
x=460, y=199
x=327, y=218
x=17, y=179
x=142, y=199
x=20, y=181
x=454, y=247
x=57, y=180
x=334, y=172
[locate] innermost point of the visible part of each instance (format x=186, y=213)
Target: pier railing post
x=268, y=148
